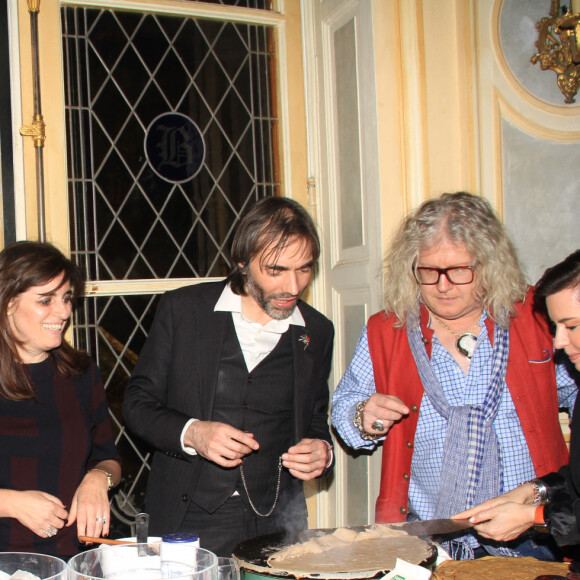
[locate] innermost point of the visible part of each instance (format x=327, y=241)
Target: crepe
x=347, y=551
x=494, y=567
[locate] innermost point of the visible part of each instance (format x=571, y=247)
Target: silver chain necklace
x=269, y=512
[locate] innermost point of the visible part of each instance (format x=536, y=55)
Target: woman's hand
x=505, y=517
x=523, y=494
x=40, y=512
x=504, y=522
x=90, y=505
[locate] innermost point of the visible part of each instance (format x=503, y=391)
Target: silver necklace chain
x=269, y=512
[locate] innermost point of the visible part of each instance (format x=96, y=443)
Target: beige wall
x=458, y=112
x=425, y=102
x=443, y=91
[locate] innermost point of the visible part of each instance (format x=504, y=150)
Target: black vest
x=258, y=402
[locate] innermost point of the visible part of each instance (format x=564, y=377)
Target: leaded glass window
x=123, y=71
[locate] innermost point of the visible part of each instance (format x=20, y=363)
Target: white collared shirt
x=256, y=341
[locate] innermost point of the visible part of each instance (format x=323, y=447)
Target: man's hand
x=220, y=443
x=386, y=408
x=307, y=459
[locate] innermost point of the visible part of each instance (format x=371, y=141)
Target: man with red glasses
x=456, y=376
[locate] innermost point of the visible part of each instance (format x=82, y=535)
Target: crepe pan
x=252, y=557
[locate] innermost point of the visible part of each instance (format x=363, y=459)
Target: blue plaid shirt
x=358, y=384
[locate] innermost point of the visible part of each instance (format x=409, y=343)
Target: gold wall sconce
x=558, y=46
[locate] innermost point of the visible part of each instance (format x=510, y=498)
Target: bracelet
x=330, y=452
x=540, y=491
x=110, y=482
x=358, y=423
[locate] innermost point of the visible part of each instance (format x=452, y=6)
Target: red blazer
x=530, y=378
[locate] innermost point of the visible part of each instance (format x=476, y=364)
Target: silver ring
x=51, y=531
x=378, y=425
x=102, y=520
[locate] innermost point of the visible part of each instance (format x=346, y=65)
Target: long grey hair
x=459, y=218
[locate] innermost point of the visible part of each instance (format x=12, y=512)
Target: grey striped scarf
x=471, y=467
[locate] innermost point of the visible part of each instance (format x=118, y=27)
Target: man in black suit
x=231, y=389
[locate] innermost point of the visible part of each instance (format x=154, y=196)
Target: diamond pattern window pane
x=123, y=70
x=114, y=330
x=126, y=69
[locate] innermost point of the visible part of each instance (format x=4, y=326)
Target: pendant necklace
x=466, y=340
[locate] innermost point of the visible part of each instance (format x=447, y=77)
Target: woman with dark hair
x=550, y=503
x=57, y=453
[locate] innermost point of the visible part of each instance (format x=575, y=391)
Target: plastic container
x=179, y=547
x=124, y=562
x=40, y=565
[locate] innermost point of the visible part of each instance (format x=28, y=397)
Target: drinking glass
x=40, y=565
x=140, y=562
x=228, y=569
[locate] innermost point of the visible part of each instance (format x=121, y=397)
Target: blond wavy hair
x=460, y=218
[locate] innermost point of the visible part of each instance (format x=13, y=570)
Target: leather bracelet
x=358, y=423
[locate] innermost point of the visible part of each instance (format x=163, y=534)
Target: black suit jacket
x=175, y=380
x=562, y=512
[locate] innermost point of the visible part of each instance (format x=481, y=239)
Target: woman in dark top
x=57, y=453
x=549, y=503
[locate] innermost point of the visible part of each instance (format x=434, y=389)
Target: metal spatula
x=142, y=532
x=432, y=527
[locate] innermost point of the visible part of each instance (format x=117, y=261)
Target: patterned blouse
x=48, y=443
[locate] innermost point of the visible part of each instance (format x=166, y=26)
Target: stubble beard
x=266, y=302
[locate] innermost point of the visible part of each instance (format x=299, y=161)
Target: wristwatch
x=110, y=483
x=540, y=524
